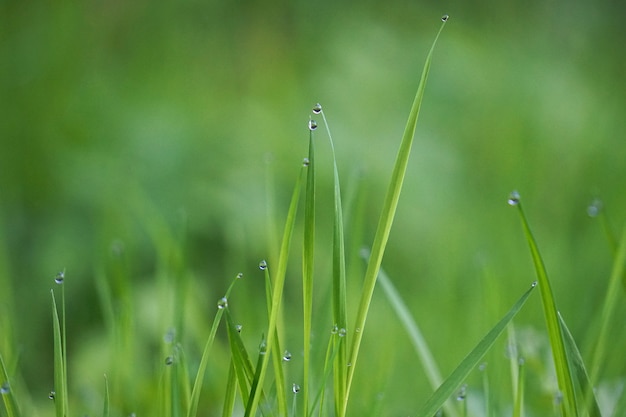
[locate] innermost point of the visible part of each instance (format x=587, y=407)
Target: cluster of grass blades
x=257, y=383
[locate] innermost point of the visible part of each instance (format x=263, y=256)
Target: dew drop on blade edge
x=263, y=265
x=312, y=125
x=514, y=198
x=295, y=388
x=222, y=303
x=317, y=109
x=5, y=389
x=445, y=18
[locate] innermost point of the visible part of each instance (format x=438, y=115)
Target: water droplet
x=514, y=198
x=534, y=284
x=334, y=329
x=306, y=162
x=295, y=388
x=482, y=366
x=317, y=109
x=52, y=395
x=462, y=394
x=238, y=328
x=342, y=332
x=312, y=125
x=263, y=347
x=170, y=335
x=349, y=364
x=287, y=356
x=240, y=275
x=5, y=389
x=594, y=208
x=445, y=18
x=263, y=265
x=222, y=303
x=132, y=415
x=358, y=330
x=169, y=360
x=60, y=277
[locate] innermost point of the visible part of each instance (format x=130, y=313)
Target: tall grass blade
x=340, y=315
x=580, y=372
x=569, y=405
x=60, y=399
x=385, y=221
x=231, y=389
x=518, y=404
x=308, y=250
x=436, y=401
x=609, y=309
x=204, y=361
x=105, y=410
x=276, y=296
x=6, y=391
x=419, y=343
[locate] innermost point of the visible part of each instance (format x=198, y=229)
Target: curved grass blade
x=308, y=250
x=419, y=343
x=569, y=405
x=10, y=403
x=276, y=297
x=591, y=403
x=386, y=220
x=231, y=388
x=204, y=361
x=452, y=383
x=609, y=309
x=60, y=389
x=340, y=315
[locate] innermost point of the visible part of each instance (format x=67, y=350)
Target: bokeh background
x=141, y=137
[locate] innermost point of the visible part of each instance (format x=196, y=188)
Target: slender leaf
x=276, y=297
x=308, y=250
x=10, y=402
x=518, y=406
x=59, y=368
x=105, y=410
x=419, y=343
x=580, y=372
x=385, y=221
x=231, y=389
x=452, y=383
x=569, y=405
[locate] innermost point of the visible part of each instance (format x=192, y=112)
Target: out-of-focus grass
x=187, y=100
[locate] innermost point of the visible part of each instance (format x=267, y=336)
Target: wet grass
x=259, y=378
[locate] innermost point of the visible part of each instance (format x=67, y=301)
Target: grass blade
x=419, y=343
x=580, y=372
x=340, y=315
x=459, y=375
x=204, y=361
x=10, y=403
x=518, y=406
x=386, y=220
x=276, y=297
x=60, y=399
x=569, y=406
x=609, y=309
x=105, y=410
x=231, y=388
x=308, y=249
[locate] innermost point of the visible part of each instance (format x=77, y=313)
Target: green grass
x=202, y=371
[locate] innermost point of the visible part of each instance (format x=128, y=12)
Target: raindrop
x=358, y=330
x=482, y=366
x=513, y=198
x=312, y=125
x=295, y=388
x=240, y=275
x=342, y=332
x=306, y=162
x=52, y=395
x=59, y=277
x=594, y=208
x=222, y=303
x=334, y=330
x=238, y=328
x=5, y=389
x=534, y=284
x=263, y=265
x=317, y=109
x=287, y=356
x=169, y=360
x=263, y=348
x=460, y=396
x=445, y=18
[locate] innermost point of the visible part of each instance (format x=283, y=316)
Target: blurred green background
x=125, y=125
